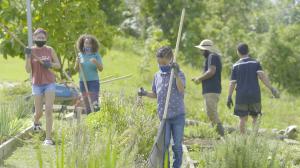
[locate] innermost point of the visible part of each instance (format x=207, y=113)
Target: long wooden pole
x=115, y=79
x=84, y=81
x=107, y=77
x=157, y=155
x=172, y=71
x=29, y=23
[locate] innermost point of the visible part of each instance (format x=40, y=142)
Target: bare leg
x=49, y=101
x=254, y=123
x=243, y=121
x=38, y=105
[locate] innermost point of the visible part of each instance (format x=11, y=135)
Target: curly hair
x=165, y=51
x=93, y=39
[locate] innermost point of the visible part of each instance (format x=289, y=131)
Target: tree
x=65, y=21
x=225, y=22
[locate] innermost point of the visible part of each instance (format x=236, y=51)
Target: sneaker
x=36, y=127
x=48, y=142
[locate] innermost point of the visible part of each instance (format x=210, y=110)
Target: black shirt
x=213, y=84
x=244, y=72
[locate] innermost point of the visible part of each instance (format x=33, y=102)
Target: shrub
x=240, y=151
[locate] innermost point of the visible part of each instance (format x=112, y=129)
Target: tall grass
x=11, y=115
x=120, y=135
x=240, y=151
x=9, y=124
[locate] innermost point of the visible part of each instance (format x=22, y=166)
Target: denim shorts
x=42, y=89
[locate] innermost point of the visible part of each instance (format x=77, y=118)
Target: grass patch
x=12, y=69
x=245, y=152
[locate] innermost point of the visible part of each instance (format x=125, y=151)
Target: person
x=175, y=119
x=244, y=78
x=40, y=59
x=211, y=82
x=91, y=62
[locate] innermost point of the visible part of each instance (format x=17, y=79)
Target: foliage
x=282, y=58
x=228, y=23
x=131, y=122
x=120, y=135
x=244, y=151
x=12, y=117
x=65, y=21
x=154, y=41
x=200, y=131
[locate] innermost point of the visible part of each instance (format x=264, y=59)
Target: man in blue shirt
x=176, y=110
x=211, y=82
x=244, y=78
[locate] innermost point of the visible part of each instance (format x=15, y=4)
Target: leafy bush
x=121, y=134
x=134, y=123
x=111, y=112
x=281, y=58
x=153, y=42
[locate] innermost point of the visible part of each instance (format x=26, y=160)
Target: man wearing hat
x=211, y=82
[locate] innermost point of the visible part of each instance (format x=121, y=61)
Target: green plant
x=19, y=91
x=23, y=108
x=239, y=151
x=112, y=111
x=201, y=131
x=9, y=124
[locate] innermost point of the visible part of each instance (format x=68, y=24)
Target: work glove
x=176, y=68
x=275, y=93
x=46, y=64
x=229, y=102
x=142, y=92
x=28, y=51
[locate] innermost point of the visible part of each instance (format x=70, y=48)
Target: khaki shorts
x=243, y=110
x=211, y=106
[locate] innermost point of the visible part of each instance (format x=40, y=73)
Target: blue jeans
x=175, y=127
x=94, y=89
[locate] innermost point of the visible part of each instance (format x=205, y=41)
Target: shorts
x=38, y=90
x=243, y=110
x=93, y=86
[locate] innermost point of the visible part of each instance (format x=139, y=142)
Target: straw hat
x=206, y=45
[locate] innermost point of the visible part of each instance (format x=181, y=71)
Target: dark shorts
x=94, y=89
x=243, y=110
x=93, y=86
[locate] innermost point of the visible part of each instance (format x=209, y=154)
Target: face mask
x=87, y=49
x=206, y=53
x=40, y=43
x=165, y=68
